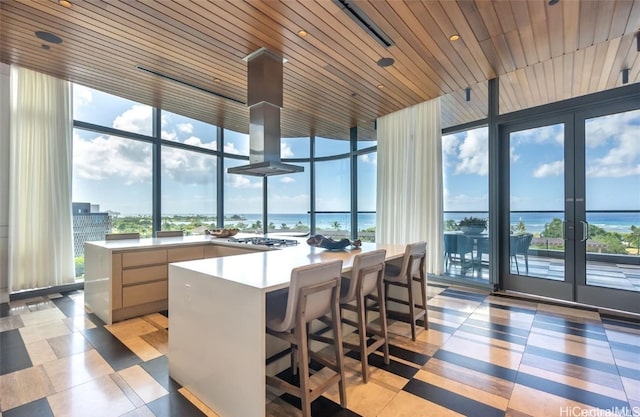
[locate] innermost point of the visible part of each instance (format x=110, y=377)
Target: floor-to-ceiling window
x=367, y=160
x=465, y=161
x=333, y=188
x=112, y=169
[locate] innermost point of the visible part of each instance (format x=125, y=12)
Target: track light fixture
x=625, y=76
x=467, y=94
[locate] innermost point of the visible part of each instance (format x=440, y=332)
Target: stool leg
x=412, y=308
x=383, y=321
x=362, y=330
x=337, y=335
x=423, y=289
x=303, y=363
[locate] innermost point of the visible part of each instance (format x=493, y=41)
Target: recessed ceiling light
x=65, y=3
x=454, y=37
x=385, y=62
x=302, y=33
x=552, y=2
x=45, y=47
x=217, y=80
x=48, y=37
x=380, y=86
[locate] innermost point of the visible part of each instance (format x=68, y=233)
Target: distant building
x=88, y=224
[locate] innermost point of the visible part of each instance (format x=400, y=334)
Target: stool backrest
x=119, y=236
x=369, y=268
x=169, y=233
x=312, y=291
x=414, y=256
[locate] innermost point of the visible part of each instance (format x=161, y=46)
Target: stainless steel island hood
x=264, y=91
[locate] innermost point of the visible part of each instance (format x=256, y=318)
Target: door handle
x=585, y=230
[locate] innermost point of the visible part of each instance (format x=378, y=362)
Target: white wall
x=4, y=176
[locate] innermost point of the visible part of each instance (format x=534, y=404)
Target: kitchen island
x=128, y=278
x=217, y=340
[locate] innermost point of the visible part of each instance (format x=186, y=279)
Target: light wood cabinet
x=127, y=282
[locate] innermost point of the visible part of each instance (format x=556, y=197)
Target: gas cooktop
x=265, y=241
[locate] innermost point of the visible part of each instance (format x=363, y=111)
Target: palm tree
x=335, y=225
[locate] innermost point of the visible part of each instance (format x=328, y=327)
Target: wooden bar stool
x=313, y=293
x=365, y=280
x=412, y=269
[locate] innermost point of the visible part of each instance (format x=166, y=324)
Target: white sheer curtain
x=40, y=222
x=409, y=194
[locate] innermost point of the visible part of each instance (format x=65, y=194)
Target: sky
x=116, y=173
x=537, y=166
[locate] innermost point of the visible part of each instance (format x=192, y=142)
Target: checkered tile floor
x=483, y=356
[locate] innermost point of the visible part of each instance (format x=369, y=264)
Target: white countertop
x=271, y=270
x=161, y=242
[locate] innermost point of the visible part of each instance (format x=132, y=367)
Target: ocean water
x=534, y=221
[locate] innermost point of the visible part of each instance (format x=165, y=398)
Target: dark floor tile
x=629, y=373
x=408, y=355
x=68, y=307
x=476, y=365
x=118, y=356
x=516, y=331
x=442, y=328
x=451, y=400
x=626, y=347
x=5, y=309
x=37, y=408
x=158, y=368
x=572, y=359
x=448, y=311
x=99, y=336
x=512, y=308
x=618, y=321
x=13, y=353
x=394, y=367
x=545, y=319
x=321, y=407
x=464, y=295
x=493, y=334
x=172, y=405
x=572, y=393
x=95, y=319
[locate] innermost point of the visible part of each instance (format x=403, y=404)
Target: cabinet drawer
x=144, y=274
x=145, y=293
x=146, y=257
x=185, y=254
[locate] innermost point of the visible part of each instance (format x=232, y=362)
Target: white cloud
x=552, y=169
x=285, y=150
x=137, y=119
x=450, y=144
x=242, y=181
x=473, y=156
x=185, y=127
x=287, y=180
x=196, y=141
x=188, y=168
x=172, y=136
x=82, y=96
x=231, y=148
x=369, y=158
x=513, y=156
x=615, y=138
x=105, y=157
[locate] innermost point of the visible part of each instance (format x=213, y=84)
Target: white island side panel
x=217, y=341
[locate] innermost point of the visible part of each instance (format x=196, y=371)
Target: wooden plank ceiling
x=542, y=53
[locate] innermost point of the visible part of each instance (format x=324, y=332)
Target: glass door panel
x=535, y=250
x=612, y=201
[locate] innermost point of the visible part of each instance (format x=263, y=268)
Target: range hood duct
x=264, y=91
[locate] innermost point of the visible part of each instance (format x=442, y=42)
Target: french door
x=571, y=199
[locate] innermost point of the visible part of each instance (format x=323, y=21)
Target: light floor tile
x=158, y=339
x=281, y=408
x=199, y=404
x=142, y=383
x=42, y=316
x=141, y=348
x=139, y=412
x=76, y=369
x=627, y=337
x=97, y=398
x=588, y=349
x=159, y=320
x=490, y=384
x=130, y=328
x=570, y=313
x=40, y=352
x=599, y=388
x=542, y=404
x=490, y=341
x=69, y=344
x=409, y=405
x=43, y=331
x=632, y=388
x=10, y=323
x=78, y=323
x=490, y=354
x=21, y=387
